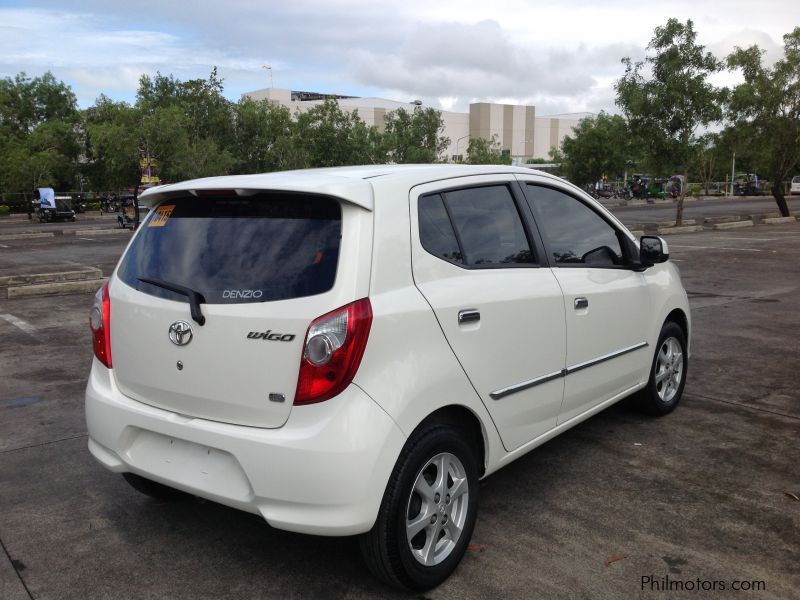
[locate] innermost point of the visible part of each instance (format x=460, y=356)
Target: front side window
x=230, y=249
x=575, y=234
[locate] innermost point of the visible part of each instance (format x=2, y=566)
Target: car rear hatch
x=211, y=302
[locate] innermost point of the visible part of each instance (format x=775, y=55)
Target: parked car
x=349, y=351
x=61, y=212
x=126, y=217
x=795, y=187
x=748, y=184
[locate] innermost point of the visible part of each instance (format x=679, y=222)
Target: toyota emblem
x=180, y=333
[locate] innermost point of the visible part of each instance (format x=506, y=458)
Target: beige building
x=518, y=129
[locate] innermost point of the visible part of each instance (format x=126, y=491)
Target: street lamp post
x=268, y=68
x=457, y=141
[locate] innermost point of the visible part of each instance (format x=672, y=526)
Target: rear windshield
x=238, y=249
x=796, y=179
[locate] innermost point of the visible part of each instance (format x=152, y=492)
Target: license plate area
x=192, y=466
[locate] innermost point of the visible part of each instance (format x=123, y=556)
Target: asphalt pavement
x=609, y=509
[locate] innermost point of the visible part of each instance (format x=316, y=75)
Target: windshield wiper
x=195, y=298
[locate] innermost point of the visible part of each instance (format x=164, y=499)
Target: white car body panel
x=221, y=386
x=323, y=468
x=517, y=307
x=278, y=473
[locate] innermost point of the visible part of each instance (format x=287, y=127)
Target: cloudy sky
x=562, y=56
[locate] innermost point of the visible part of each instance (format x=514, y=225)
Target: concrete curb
x=714, y=220
x=29, y=235
x=56, y=288
x=777, y=220
x=684, y=223
x=57, y=277
x=733, y=225
x=101, y=231
x=681, y=229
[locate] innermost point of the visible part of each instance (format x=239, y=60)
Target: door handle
x=469, y=315
x=581, y=303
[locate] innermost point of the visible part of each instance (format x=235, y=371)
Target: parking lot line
x=716, y=248
x=4, y=246
x=19, y=323
x=748, y=239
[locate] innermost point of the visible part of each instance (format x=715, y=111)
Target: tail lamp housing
x=332, y=352
x=100, y=324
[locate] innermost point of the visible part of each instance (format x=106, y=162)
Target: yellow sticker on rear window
x=162, y=215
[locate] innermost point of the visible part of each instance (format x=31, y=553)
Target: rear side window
x=436, y=231
x=477, y=227
x=271, y=246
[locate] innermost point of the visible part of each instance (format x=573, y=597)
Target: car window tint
x=489, y=226
x=435, y=230
x=269, y=246
x=575, y=233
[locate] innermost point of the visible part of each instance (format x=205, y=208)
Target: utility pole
x=733, y=172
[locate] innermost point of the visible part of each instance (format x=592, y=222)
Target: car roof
x=349, y=183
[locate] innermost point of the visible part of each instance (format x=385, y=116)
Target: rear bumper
x=324, y=472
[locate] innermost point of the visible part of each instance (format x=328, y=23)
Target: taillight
x=332, y=351
x=100, y=324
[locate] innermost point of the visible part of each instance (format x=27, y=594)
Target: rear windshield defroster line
x=231, y=250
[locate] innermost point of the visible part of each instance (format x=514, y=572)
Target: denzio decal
x=243, y=294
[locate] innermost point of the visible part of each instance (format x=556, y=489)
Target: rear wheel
x=151, y=488
x=667, y=373
x=428, y=512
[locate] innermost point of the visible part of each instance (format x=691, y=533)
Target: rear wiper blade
x=195, y=298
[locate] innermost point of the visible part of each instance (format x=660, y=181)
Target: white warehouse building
x=518, y=129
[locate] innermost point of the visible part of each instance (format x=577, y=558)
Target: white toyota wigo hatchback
x=348, y=351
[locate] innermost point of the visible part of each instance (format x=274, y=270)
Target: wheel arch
x=465, y=421
x=681, y=319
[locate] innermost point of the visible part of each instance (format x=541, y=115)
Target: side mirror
x=653, y=249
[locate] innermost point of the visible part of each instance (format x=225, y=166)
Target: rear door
x=265, y=265
x=606, y=303
x=478, y=265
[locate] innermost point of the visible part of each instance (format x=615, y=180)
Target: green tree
x=39, y=130
x=112, y=144
x=262, y=135
x=669, y=100
x=414, y=137
x=327, y=136
x=481, y=151
x=599, y=146
x=186, y=126
x=766, y=107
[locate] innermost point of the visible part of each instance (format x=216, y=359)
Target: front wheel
x=427, y=514
x=667, y=374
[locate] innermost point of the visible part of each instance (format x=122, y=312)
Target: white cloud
x=562, y=55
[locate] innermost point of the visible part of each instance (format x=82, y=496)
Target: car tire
x=151, y=488
x=427, y=513
x=667, y=373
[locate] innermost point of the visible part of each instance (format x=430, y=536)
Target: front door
x=478, y=264
x=606, y=303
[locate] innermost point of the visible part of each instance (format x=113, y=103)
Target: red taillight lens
x=332, y=352
x=100, y=324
